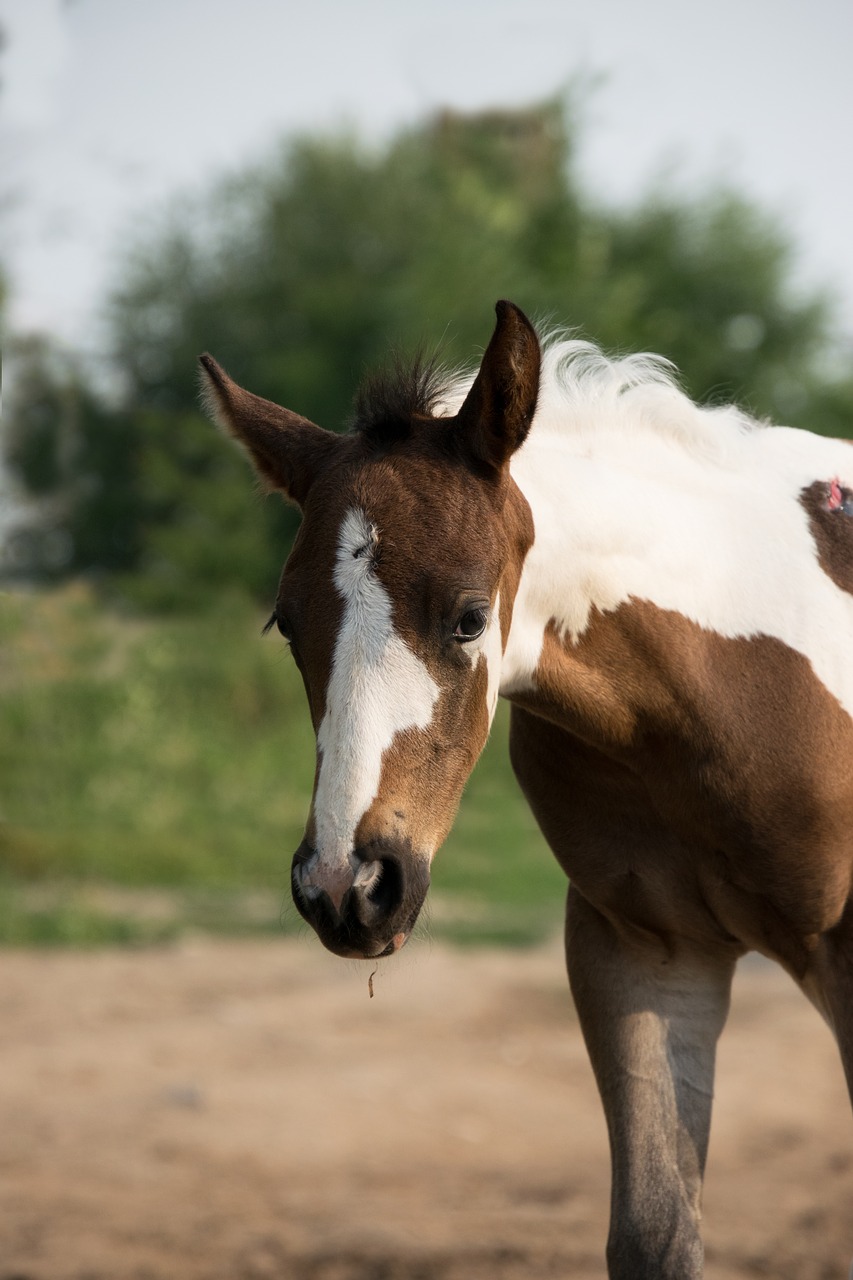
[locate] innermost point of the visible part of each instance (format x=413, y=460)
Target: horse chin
x=342, y=946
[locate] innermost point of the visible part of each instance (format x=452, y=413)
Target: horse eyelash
x=270, y=623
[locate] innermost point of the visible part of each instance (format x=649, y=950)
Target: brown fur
x=716, y=772
x=833, y=534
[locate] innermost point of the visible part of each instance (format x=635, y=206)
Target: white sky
x=111, y=106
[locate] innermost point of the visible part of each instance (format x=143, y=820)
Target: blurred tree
x=300, y=274
x=74, y=458
x=708, y=283
x=132, y=495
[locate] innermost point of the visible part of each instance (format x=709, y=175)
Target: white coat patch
x=377, y=689
x=626, y=509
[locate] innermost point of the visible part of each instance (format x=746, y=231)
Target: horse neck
x=585, y=514
x=600, y=508
x=636, y=530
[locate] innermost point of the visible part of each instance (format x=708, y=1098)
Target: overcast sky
x=109, y=107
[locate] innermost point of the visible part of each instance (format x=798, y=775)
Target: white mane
x=583, y=392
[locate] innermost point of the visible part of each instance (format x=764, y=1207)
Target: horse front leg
x=651, y=1015
x=828, y=983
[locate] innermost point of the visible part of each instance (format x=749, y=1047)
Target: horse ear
x=498, y=410
x=286, y=450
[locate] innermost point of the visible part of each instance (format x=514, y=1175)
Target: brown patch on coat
x=692, y=784
x=832, y=531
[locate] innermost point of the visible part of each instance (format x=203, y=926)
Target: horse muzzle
x=365, y=907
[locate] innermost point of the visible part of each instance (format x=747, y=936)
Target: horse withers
x=665, y=595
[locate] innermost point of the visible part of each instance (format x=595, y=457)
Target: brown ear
x=287, y=451
x=499, y=408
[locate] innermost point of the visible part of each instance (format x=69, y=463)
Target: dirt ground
x=244, y=1111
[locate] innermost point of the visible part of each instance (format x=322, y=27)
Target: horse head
x=396, y=603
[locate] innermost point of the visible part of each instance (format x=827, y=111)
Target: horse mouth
x=349, y=938
x=349, y=953
x=397, y=942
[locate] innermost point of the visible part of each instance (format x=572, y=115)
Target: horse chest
x=727, y=810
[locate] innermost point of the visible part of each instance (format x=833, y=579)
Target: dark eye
x=471, y=625
x=277, y=621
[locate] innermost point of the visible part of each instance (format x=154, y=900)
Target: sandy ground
x=244, y=1111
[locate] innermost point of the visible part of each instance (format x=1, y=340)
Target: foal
x=665, y=595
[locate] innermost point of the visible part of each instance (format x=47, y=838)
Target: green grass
x=155, y=776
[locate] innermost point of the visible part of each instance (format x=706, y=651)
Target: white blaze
x=378, y=688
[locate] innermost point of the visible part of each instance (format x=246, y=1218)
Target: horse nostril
x=380, y=886
x=365, y=905
x=368, y=876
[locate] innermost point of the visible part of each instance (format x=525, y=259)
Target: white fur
x=638, y=493
x=489, y=648
x=377, y=688
x=492, y=651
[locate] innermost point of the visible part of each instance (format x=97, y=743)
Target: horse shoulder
x=717, y=770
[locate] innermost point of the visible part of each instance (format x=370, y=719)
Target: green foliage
x=139, y=752
x=302, y=273
x=76, y=456
x=204, y=530
x=177, y=755
x=707, y=284
x=44, y=422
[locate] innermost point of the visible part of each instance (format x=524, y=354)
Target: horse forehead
x=431, y=519
x=423, y=527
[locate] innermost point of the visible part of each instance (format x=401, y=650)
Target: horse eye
x=471, y=625
x=276, y=621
